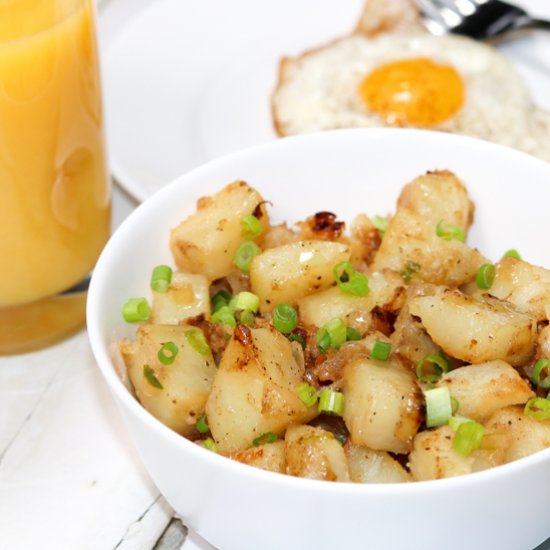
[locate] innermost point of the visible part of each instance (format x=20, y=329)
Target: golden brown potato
x=185, y=383
x=270, y=456
x=383, y=405
x=476, y=330
x=206, y=241
x=315, y=453
x=187, y=296
x=368, y=466
x=411, y=235
x=255, y=389
x=286, y=273
x=483, y=389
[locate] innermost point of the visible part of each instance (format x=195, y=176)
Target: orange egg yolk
x=413, y=92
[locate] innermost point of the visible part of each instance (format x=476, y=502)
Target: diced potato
x=315, y=454
x=187, y=296
x=368, y=466
x=476, y=330
x=383, y=405
x=185, y=383
x=319, y=308
x=411, y=235
x=483, y=389
x=544, y=342
x=270, y=456
x=520, y=435
x=255, y=389
x=286, y=273
x=206, y=241
x=433, y=456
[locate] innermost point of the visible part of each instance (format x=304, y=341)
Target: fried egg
x=449, y=83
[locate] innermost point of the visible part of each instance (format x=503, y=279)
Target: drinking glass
x=55, y=193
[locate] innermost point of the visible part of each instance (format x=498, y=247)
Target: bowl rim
x=100, y=348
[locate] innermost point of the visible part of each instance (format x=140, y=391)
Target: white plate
x=189, y=80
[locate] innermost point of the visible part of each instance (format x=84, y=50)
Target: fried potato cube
x=270, y=456
x=383, y=405
x=411, y=235
x=286, y=273
x=185, y=383
x=187, y=296
x=483, y=389
x=476, y=330
x=315, y=453
x=368, y=466
x=255, y=389
x=206, y=241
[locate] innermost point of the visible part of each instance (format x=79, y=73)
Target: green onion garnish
x=149, y=375
x=352, y=334
x=295, y=337
x=251, y=227
x=455, y=404
x=410, y=269
x=247, y=300
x=224, y=316
x=135, y=310
x=332, y=402
x=210, y=444
x=439, y=367
x=331, y=334
x=246, y=317
x=198, y=342
x=161, y=278
x=438, y=406
x=220, y=299
x=202, y=426
x=455, y=421
x=268, y=437
x=350, y=281
x=541, y=374
x=167, y=353
x=467, y=437
x=538, y=408
x=245, y=254
x=380, y=350
x=485, y=276
x=448, y=231
x=308, y=394
x=285, y=318
x=381, y=224
x=513, y=253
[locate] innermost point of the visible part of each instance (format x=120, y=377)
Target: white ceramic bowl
x=234, y=506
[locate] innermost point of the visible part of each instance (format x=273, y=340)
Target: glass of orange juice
x=54, y=185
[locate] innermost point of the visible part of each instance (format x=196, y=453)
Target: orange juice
x=54, y=186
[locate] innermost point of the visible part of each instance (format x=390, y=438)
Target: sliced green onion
x=323, y=340
x=295, y=337
x=438, y=406
x=410, y=269
x=307, y=394
x=210, y=444
x=381, y=224
x=247, y=300
x=167, y=353
x=285, y=318
x=352, y=334
x=246, y=317
x=268, y=437
x=485, y=276
x=149, y=375
x=331, y=334
x=135, y=310
x=350, y=281
x=513, y=253
x=455, y=421
x=161, y=277
x=198, y=342
x=251, y=227
x=224, y=316
x=439, y=367
x=380, y=350
x=245, y=254
x=331, y=402
x=455, y=404
x=448, y=231
x=538, y=408
x=541, y=374
x=220, y=299
x=202, y=426
x=467, y=437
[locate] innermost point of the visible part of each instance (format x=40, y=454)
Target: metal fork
x=482, y=19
